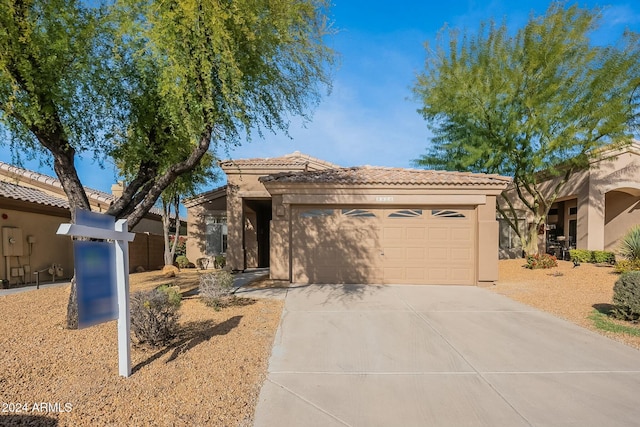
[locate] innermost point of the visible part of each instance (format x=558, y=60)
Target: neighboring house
x=313, y=222
x=594, y=209
x=33, y=205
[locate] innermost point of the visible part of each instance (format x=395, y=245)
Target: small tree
x=170, y=199
x=533, y=106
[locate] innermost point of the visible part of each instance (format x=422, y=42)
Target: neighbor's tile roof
x=46, y=180
x=382, y=175
x=28, y=194
x=38, y=179
x=295, y=159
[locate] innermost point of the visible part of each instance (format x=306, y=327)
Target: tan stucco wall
x=487, y=241
x=48, y=248
x=622, y=213
x=196, y=229
x=245, y=184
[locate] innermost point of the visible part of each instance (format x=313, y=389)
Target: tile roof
x=366, y=175
x=50, y=181
x=295, y=159
x=206, y=196
x=28, y=194
x=36, y=178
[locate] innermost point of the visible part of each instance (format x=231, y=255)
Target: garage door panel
x=416, y=254
x=403, y=245
x=392, y=233
x=461, y=254
x=461, y=274
x=416, y=274
x=415, y=233
x=438, y=234
x=437, y=275
x=395, y=253
x=439, y=246
x=462, y=234
x=438, y=253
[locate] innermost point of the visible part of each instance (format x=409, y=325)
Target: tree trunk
x=530, y=244
x=72, y=306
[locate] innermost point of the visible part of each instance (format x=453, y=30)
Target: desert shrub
x=216, y=288
x=220, y=261
x=541, y=261
x=580, y=255
x=585, y=255
x=630, y=244
x=603, y=257
x=625, y=265
x=182, y=261
x=173, y=293
x=626, y=296
x=154, y=315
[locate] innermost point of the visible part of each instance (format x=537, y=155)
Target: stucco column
x=235, y=225
x=487, y=245
x=590, y=226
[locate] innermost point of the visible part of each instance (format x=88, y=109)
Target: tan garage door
x=368, y=245
x=429, y=246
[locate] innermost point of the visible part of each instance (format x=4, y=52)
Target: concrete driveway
x=352, y=355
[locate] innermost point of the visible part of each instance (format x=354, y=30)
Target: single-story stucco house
x=32, y=207
x=311, y=221
x=594, y=209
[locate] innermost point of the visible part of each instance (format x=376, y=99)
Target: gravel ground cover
x=209, y=376
x=564, y=291
x=212, y=373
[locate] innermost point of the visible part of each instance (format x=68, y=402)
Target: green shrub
x=220, y=261
x=541, y=261
x=183, y=261
x=216, y=288
x=625, y=265
x=173, y=293
x=626, y=296
x=154, y=315
x=585, y=255
x=630, y=244
x=580, y=255
x=603, y=257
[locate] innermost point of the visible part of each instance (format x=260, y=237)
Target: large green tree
x=532, y=104
x=144, y=82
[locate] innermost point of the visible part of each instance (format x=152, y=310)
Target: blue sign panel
x=95, y=265
x=94, y=219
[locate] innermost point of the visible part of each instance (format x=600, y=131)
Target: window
x=358, y=213
x=446, y=214
x=573, y=211
x=553, y=211
x=216, y=234
x=406, y=213
x=316, y=213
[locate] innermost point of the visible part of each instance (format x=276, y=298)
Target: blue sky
x=370, y=117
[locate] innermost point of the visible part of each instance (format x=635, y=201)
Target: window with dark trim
x=573, y=211
x=406, y=213
x=316, y=213
x=447, y=214
x=358, y=213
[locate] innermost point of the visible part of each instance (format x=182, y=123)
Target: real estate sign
x=95, y=264
x=102, y=275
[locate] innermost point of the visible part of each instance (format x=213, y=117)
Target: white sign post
x=121, y=238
